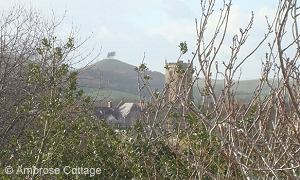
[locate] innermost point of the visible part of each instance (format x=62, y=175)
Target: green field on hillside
x=110, y=95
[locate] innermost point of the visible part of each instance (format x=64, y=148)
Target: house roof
x=122, y=115
x=125, y=109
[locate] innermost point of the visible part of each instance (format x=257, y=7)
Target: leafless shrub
x=255, y=140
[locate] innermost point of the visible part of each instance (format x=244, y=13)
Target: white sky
x=154, y=27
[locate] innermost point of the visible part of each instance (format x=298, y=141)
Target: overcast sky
x=154, y=27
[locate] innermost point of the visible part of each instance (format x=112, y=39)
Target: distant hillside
x=115, y=96
x=245, y=89
x=112, y=65
x=120, y=79
x=115, y=75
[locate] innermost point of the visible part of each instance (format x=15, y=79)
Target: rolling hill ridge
x=117, y=77
x=115, y=80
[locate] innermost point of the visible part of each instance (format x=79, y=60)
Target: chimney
x=109, y=104
x=142, y=105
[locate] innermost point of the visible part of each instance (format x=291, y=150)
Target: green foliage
x=141, y=68
x=179, y=69
x=57, y=114
x=167, y=67
x=147, y=77
x=183, y=47
x=60, y=131
x=248, y=121
x=63, y=132
x=205, y=92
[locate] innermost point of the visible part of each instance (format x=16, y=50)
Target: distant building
x=178, y=79
x=124, y=115
x=128, y=113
